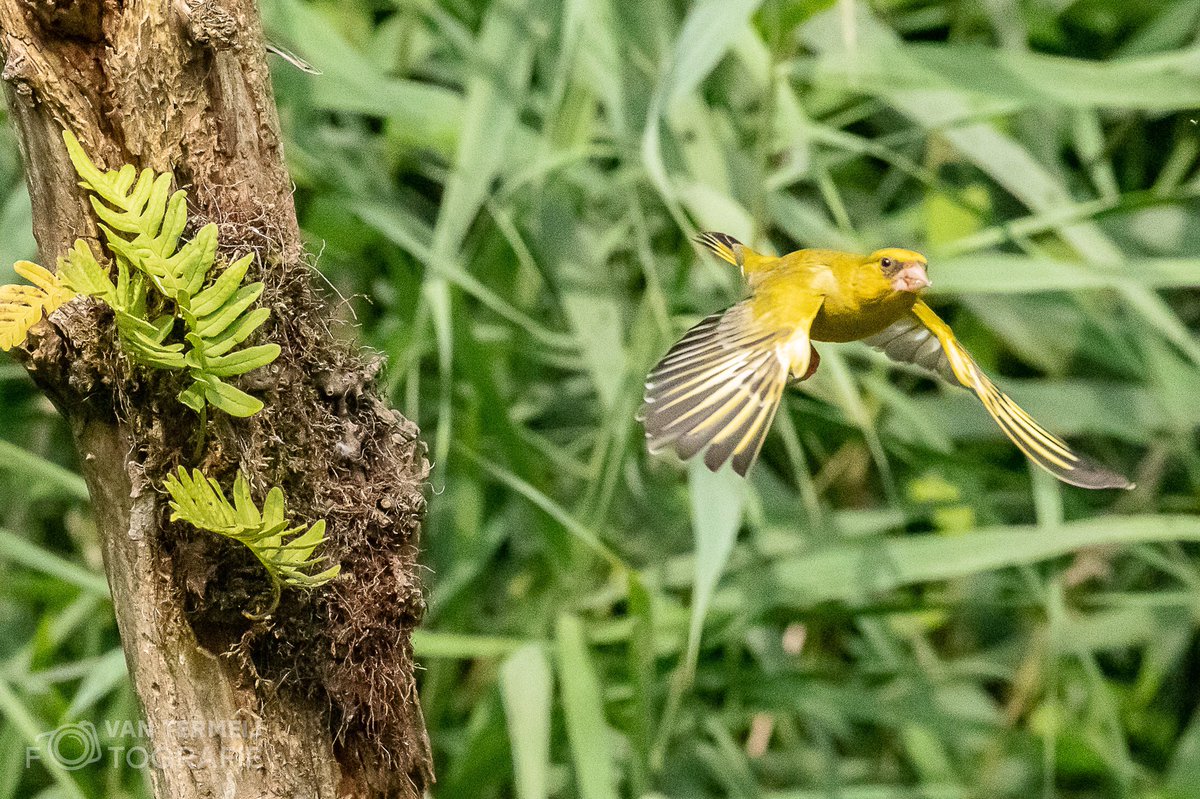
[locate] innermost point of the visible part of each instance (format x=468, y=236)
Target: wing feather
x=699, y=400
x=908, y=340
x=738, y=430
x=701, y=435
x=719, y=387
x=755, y=432
x=922, y=338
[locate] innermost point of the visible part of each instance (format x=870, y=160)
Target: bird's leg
x=814, y=360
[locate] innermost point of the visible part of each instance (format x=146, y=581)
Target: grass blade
x=18, y=550
x=525, y=685
x=583, y=706
x=855, y=571
x=717, y=500
x=29, y=466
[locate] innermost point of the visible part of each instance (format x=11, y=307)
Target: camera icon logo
x=72, y=746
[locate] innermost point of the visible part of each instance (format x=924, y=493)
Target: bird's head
x=903, y=269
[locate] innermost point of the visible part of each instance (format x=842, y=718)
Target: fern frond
x=22, y=307
x=145, y=342
x=286, y=552
x=177, y=276
x=56, y=293
x=111, y=186
x=82, y=273
x=142, y=223
x=210, y=389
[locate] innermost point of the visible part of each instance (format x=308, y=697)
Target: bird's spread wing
x=908, y=340
x=719, y=387
x=922, y=338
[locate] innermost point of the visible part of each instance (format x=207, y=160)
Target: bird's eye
x=886, y=263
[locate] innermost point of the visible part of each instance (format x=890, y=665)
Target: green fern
x=142, y=222
x=285, y=552
x=144, y=341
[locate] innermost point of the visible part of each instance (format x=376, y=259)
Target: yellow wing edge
x=1041, y=446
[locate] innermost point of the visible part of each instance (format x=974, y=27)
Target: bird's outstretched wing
x=922, y=338
x=719, y=387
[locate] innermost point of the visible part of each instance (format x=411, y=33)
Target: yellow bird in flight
x=717, y=390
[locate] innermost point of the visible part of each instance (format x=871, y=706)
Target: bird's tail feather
x=726, y=247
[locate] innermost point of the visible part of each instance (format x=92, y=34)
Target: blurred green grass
x=894, y=605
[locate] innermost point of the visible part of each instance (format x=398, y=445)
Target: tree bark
x=319, y=700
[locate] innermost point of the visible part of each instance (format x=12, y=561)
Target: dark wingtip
x=714, y=459
x=1089, y=474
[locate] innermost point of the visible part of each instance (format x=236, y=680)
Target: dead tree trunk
x=327, y=682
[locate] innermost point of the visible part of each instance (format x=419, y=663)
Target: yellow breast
x=850, y=320
x=859, y=300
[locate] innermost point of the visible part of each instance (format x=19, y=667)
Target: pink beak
x=911, y=278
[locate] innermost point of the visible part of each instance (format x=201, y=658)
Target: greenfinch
x=718, y=388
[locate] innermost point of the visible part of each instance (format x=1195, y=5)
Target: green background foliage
x=895, y=604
